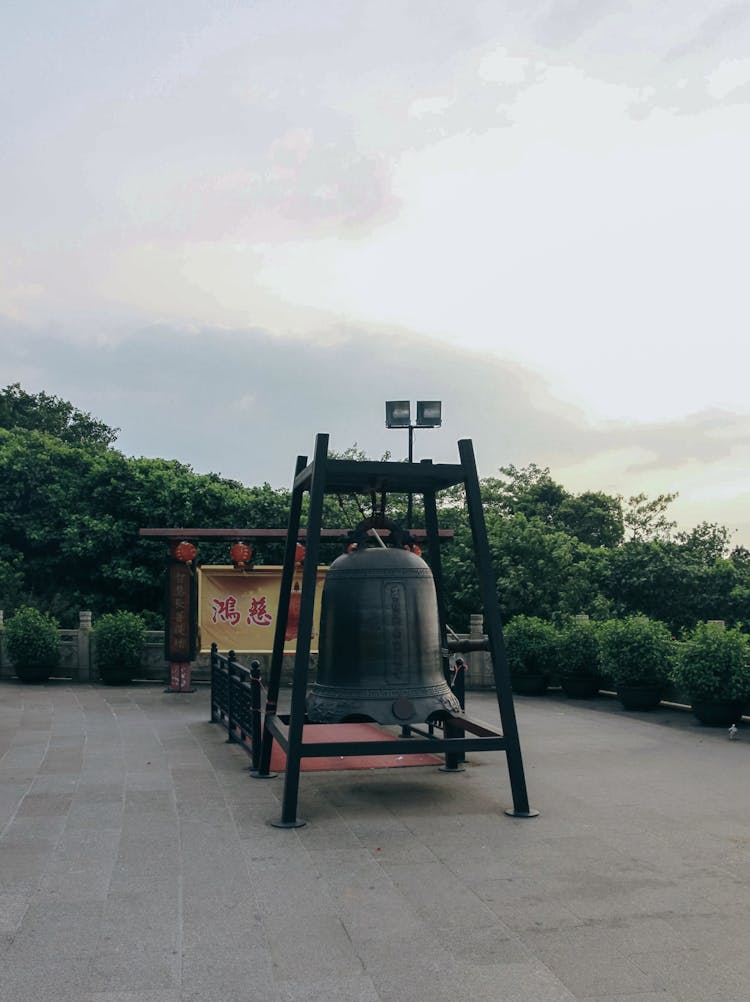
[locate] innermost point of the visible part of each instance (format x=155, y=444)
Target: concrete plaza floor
x=137, y=864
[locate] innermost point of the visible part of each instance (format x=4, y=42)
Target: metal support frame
x=459, y=733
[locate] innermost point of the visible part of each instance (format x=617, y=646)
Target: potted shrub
x=637, y=654
x=119, y=638
x=531, y=647
x=713, y=670
x=578, y=659
x=33, y=644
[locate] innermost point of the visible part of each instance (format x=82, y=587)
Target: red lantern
x=299, y=554
x=240, y=553
x=184, y=551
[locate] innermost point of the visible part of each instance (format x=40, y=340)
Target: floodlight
x=429, y=413
x=397, y=413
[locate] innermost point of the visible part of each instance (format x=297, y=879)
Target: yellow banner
x=237, y=609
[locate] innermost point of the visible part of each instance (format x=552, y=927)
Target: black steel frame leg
x=494, y=629
x=277, y=658
x=302, y=657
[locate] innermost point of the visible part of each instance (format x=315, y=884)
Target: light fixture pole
x=398, y=415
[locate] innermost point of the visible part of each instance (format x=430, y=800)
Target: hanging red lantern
x=240, y=553
x=299, y=554
x=184, y=551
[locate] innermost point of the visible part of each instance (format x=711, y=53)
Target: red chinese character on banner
x=258, y=613
x=225, y=610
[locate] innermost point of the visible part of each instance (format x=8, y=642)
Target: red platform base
x=350, y=732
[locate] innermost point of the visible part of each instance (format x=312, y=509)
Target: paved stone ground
x=137, y=865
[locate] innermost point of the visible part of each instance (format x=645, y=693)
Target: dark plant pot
x=116, y=676
x=720, y=713
x=32, y=673
x=529, y=685
x=580, y=686
x=639, y=697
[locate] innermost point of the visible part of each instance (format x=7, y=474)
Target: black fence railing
x=236, y=694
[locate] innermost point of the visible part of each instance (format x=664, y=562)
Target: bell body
x=379, y=642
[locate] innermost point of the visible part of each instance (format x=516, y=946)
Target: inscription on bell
x=395, y=642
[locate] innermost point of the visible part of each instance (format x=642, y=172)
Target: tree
x=42, y=412
x=674, y=582
x=646, y=520
x=594, y=518
x=529, y=491
x=70, y=515
x=708, y=541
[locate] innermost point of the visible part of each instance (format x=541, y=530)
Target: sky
x=229, y=226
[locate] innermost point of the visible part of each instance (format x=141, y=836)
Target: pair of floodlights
x=398, y=414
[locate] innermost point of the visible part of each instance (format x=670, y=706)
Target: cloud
x=244, y=403
x=717, y=27
x=567, y=20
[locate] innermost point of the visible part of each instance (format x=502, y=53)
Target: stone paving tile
x=44, y=804
x=696, y=975
x=31, y=978
x=21, y=868
x=299, y=946
x=590, y=960
x=170, y=995
x=638, y=997
x=207, y=978
x=439, y=897
x=64, y=784
x=348, y=988
x=12, y=910
x=72, y=926
x=131, y=968
x=94, y=817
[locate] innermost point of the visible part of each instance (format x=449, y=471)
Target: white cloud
x=501, y=67
x=729, y=76
x=420, y=107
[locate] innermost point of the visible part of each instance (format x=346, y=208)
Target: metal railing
x=236, y=695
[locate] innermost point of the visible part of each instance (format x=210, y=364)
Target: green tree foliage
x=593, y=518
x=70, y=515
x=677, y=582
x=646, y=518
x=42, y=412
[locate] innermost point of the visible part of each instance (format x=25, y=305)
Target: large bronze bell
x=379, y=642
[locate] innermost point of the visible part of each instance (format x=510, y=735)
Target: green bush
x=636, y=651
x=578, y=650
x=33, y=644
x=531, y=646
x=713, y=664
x=119, y=639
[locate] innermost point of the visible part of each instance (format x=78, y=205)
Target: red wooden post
x=180, y=646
